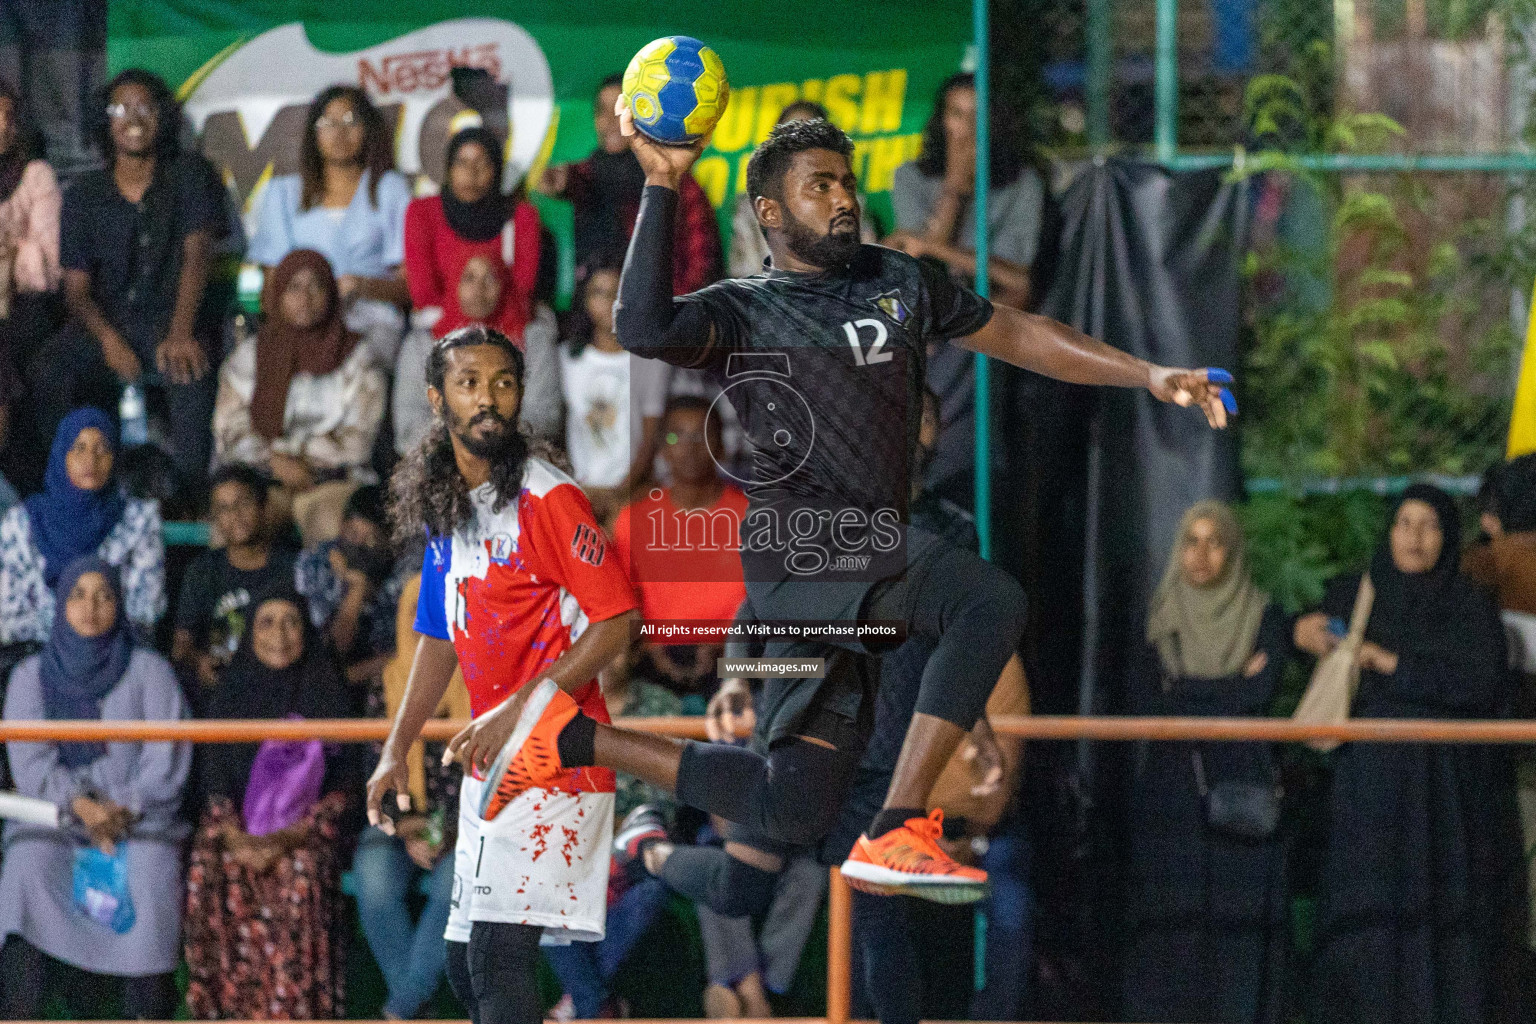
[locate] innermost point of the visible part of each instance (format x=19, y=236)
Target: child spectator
x=125, y=795
x=353, y=585
x=605, y=191
x=134, y=244
x=302, y=399
x=81, y=511
x=216, y=591
x=484, y=288
x=264, y=923
x=679, y=543
x=347, y=203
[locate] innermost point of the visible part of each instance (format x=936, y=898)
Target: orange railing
x=839, y=919
x=1035, y=727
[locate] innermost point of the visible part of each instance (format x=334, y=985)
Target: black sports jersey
x=825, y=373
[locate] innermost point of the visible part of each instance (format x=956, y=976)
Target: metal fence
x=1392, y=258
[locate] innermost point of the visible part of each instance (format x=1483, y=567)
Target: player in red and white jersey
x=517, y=588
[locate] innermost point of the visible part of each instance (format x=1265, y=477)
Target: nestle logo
x=424, y=69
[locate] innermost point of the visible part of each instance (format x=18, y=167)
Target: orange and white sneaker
x=530, y=757
x=908, y=861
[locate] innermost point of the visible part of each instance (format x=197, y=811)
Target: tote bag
x=1337, y=674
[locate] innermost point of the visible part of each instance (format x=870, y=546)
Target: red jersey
x=435, y=256
x=686, y=565
x=513, y=589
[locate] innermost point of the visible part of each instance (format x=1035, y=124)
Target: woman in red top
x=472, y=217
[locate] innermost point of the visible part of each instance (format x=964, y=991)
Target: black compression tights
x=496, y=973
x=974, y=613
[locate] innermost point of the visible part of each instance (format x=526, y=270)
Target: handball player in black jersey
x=822, y=357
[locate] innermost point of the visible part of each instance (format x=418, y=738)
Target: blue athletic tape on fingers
x=1228, y=401
x=1216, y=375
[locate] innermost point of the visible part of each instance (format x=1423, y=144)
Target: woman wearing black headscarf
x=1207, y=910
x=264, y=912
x=1423, y=859
x=473, y=225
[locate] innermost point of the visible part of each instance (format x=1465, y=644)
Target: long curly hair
x=427, y=491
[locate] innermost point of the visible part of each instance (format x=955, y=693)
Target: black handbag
x=1239, y=810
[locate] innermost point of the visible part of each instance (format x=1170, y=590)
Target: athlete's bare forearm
x=1038, y=343
x=431, y=672
x=599, y=644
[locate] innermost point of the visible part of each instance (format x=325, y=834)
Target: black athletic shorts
x=838, y=708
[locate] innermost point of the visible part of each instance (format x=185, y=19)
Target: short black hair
x=167, y=132
x=765, y=170
x=246, y=476
x=616, y=79
x=694, y=403
x=367, y=503
x=816, y=110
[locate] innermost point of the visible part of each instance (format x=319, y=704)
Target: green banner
x=246, y=70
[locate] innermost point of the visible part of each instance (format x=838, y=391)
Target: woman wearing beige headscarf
x=1206, y=911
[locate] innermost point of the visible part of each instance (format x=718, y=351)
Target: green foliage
x=1297, y=544
x=1374, y=347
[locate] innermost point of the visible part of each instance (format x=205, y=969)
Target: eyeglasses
x=336, y=124
x=119, y=111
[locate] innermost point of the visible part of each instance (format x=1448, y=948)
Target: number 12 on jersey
x=876, y=353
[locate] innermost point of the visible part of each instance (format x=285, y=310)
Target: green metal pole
x=982, y=370
x=1166, y=83
x=1100, y=55
x=1371, y=163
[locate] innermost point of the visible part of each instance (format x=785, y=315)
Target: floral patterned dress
x=135, y=548
x=268, y=946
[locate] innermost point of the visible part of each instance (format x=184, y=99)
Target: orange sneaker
x=531, y=757
x=908, y=861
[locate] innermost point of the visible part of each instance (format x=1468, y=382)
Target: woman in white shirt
x=302, y=400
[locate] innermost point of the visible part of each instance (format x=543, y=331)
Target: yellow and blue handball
x=677, y=89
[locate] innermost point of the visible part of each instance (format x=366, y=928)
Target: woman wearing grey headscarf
x=124, y=797
x=1206, y=911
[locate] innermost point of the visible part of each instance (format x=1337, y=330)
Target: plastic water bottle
x=132, y=416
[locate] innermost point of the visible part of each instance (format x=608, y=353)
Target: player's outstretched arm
x=431, y=672
x=478, y=743
x=1045, y=346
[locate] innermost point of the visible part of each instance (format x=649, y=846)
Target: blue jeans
x=585, y=969
x=1010, y=914
x=409, y=955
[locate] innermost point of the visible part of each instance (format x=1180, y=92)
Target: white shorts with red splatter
x=542, y=861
